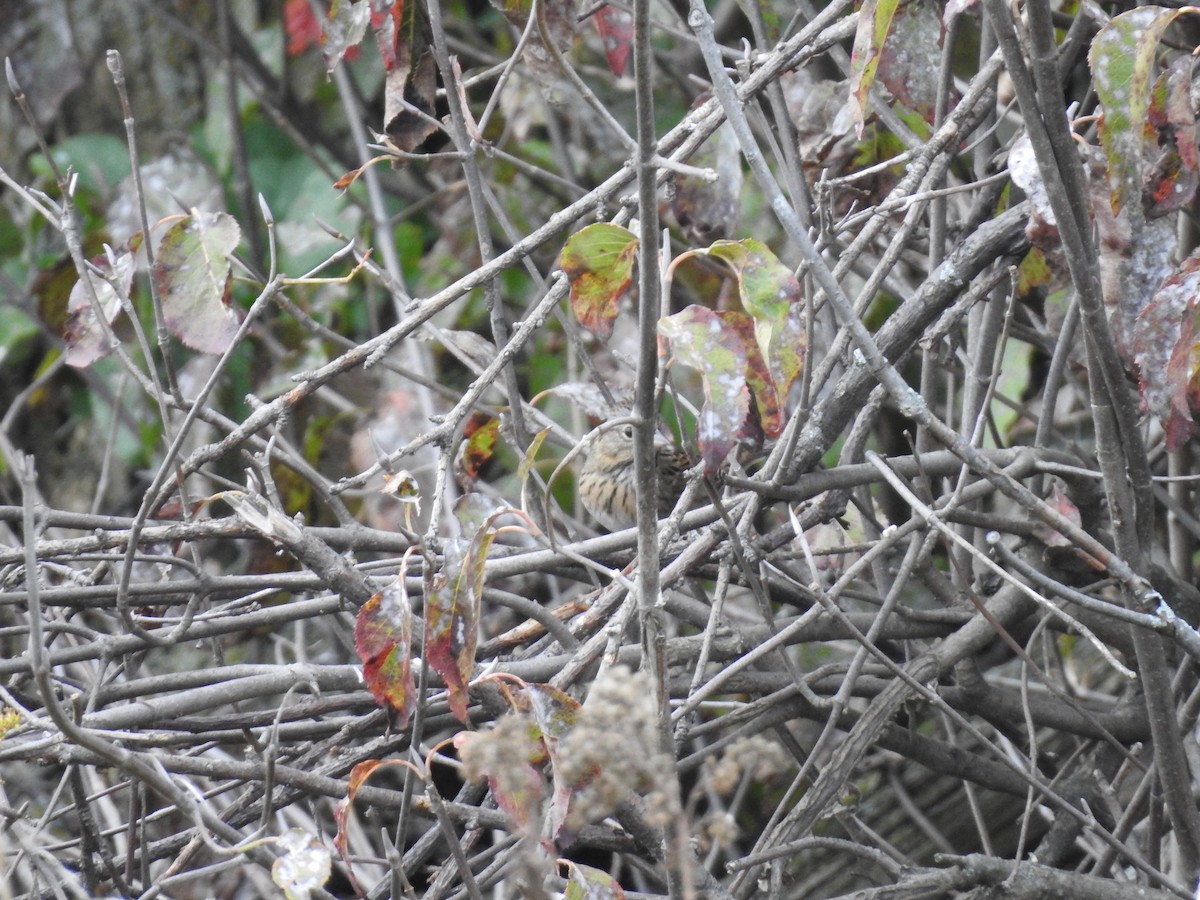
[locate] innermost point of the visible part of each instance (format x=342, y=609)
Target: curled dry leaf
x=405, y=42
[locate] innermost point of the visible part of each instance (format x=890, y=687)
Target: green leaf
x=771, y=294
x=772, y=337
x=478, y=446
x=101, y=160
x=599, y=264
x=192, y=273
x=874, y=21
x=586, y=883
x=1122, y=61
x=615, y=27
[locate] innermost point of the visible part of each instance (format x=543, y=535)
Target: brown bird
x=606, y=482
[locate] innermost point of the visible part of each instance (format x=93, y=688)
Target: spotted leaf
x=599, y=262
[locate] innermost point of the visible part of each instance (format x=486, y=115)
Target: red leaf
x=301, y=26
x=387, y=20
x=1061, y=503
x=383, y=639
x=510, y=756
x=451, y=625
x=615, y=27
x=764, y=413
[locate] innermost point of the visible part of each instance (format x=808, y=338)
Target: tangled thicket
x=923, y=630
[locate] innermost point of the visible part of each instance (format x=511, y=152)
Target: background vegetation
x=296, y=594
